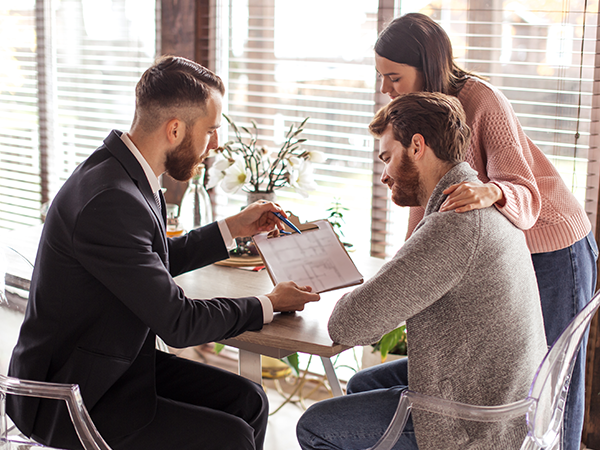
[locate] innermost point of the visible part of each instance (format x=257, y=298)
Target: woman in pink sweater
x=415, y=54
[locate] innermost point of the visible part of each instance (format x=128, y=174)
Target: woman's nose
x=385, y=85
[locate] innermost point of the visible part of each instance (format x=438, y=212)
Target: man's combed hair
x=439, y=118
x=173, y=83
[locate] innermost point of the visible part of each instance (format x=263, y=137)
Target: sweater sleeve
x=501, y=152
x=425, y=268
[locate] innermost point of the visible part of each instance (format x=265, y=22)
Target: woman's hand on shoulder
x=468, y=195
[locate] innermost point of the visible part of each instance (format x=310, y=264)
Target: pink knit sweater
x=537, y=199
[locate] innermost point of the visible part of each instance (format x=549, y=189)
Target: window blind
x=282, y=62
x=541, y=55
x=20, y=191
x=92, y=56
x=102, y=48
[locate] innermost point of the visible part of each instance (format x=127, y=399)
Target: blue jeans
x=567, y=281
x=359, y=419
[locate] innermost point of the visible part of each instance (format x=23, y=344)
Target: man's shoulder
x=466, y=228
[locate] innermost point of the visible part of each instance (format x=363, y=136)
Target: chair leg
x=396, y=426
x=2, y=417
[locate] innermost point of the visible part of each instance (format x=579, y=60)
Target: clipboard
x=314, y=258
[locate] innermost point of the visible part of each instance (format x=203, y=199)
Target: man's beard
x=407, y=189
x=182, y=162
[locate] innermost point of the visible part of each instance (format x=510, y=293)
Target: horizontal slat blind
x=542, y=58
x=97, y=67
x=284, y=62
x=99, y=51
x=20, y=192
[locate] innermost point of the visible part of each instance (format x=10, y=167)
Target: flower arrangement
x=242, y=164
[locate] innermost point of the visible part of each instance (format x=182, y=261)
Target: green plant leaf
x=218, y=347
x=392, y=342
x=293, y=361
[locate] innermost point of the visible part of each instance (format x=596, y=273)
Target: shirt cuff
x=267, y=307
x=226, y=235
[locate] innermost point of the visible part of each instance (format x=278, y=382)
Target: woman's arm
x=502, y=155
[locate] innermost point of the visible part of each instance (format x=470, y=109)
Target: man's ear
x=417, y=147
x=175, y=130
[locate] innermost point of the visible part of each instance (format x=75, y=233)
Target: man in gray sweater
x=463, y=282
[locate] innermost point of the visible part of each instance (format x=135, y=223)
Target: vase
x=196, y=209
x=269, y=196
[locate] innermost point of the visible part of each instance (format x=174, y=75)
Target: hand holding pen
x=287, y=222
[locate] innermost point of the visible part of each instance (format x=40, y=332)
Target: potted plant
x=392, y=343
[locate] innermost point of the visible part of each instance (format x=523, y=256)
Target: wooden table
x=304, y=331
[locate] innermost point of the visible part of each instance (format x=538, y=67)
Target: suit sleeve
x=117, y=240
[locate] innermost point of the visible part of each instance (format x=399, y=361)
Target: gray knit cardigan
x=464, y=283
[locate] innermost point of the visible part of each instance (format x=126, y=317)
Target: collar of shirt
x=230, y=243
x=152, y=178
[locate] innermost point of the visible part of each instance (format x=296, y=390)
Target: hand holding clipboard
x=314, y=258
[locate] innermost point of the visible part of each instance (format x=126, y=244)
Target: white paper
x=314, y=258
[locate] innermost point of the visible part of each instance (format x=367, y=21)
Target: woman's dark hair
x=418, y=41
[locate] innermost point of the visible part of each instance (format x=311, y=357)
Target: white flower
x=295, y=162
x=301, y=178
x=216, y=173
x=236, y=176
x=316, y=156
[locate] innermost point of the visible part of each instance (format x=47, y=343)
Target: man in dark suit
x=103, y=288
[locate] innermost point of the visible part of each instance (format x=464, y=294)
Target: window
x=20, y=189
x=282, y=62
x=542, y=58
x=61, y=98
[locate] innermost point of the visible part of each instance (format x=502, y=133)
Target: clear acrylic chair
x=86, y=431
x=543, y=408
x=15, y=273
x=15, y=276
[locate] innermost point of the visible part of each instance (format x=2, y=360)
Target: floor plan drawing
x=315, y=258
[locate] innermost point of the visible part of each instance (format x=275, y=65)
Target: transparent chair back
x=15, y=277
x=543, y=407
x=551, y=383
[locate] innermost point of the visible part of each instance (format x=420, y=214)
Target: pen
x=287, y=222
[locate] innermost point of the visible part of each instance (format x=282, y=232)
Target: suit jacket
x=102, y=289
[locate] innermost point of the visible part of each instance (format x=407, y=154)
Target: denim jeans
x=567, y=281
x=359, y=419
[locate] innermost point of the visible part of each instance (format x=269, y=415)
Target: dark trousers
x=201, y=407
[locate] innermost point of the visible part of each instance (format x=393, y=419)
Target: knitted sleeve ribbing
x=501, y=152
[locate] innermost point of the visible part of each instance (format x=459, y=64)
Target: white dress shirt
x=228, y=240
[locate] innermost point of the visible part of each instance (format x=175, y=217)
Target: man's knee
x=305, y=428
x=361, y=381
x=254, y=401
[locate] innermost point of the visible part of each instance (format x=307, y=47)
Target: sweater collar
x=459, y=173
